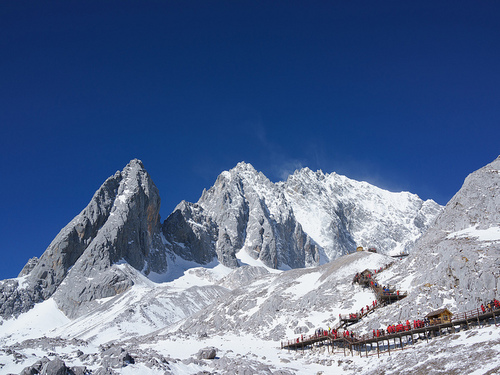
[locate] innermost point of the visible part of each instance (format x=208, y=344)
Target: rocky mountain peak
x=476, y=203
x=244, y=173
x=244, y=211
x=460, y=252
x=330, y=210
x=244, y=167
x=120, y=224
x=340, y=213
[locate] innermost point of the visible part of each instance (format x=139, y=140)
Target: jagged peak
x=135, y=177
x=243, y=171
x=317, y=175
x=135, y=163
x=243, y=166
x=134, y=167
x=334, y=178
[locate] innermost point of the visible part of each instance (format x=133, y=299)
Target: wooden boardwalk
x=340, y=337
x=374, y=345
x=384, y=297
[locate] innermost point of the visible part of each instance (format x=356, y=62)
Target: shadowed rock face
x=121, y=223
x=189, y=241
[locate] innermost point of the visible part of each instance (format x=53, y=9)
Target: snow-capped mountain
x=116, y=291
x=310, y=219
x=340, y=213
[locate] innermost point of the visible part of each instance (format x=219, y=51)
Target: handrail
x=470, y=314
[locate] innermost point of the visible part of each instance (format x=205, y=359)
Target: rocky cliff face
x=242, y=211
x=456, y=263
x=121, y=223
x=462, y=250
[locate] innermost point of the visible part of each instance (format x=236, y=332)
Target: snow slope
x=256, y=308
x=340, y=213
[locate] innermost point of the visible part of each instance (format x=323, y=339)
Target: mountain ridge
x=242, y=211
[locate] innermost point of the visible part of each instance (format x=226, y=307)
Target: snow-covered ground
x=163, y=321
x=486, y=235
x=247, y=337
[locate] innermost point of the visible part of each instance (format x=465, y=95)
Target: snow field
x=39, y=321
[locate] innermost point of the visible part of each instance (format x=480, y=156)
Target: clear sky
x=402, y=94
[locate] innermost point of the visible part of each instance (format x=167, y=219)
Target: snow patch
x=39, y=321
x=490, y=234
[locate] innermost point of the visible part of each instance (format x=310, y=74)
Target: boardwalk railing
x=474, y=316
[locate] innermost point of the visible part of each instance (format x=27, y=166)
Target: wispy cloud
x=277, y=164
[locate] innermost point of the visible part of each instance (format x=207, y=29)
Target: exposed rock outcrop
x=207, y=353
x=461, y=252
x=191, y=233
x=243, y=210
x=456, y=263
x=120, y=224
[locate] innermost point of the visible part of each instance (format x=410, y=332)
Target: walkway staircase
x=339, y=336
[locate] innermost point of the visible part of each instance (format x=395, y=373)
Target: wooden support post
x=467, y=321
x=378, y=350
x=478, y=324
x=494, y=319
x=389, y=346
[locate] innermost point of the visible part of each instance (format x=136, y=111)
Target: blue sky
x=401, y=94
